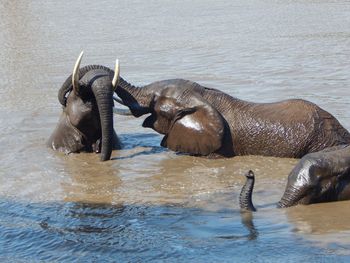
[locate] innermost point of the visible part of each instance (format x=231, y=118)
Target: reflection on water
x=96, y=184
x=147, y=202
x=105, y=233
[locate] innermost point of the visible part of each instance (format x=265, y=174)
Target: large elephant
x=86, y=123
x=204, y=121
x=318, y=177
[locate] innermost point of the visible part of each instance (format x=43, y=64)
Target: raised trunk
x=138, y=99
x=104, y=99
x=245, y=198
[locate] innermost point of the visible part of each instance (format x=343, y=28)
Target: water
x=150, y=204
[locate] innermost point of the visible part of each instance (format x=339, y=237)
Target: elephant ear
x=196, y=130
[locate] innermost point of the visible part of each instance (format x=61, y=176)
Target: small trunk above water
x=245, y=198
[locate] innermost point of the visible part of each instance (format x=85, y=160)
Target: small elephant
x=207, y=122
x=86, y=123
x=318, y=177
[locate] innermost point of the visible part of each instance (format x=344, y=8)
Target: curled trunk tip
x=250, y=175
x=292, y=196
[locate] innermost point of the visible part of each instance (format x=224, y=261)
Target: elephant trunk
x=291, y=196
x=104, y=98
x=138, y=99
x=245, y=198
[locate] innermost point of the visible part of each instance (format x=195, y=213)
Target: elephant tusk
x=120, y=111
x=119, y=101
x=75, y=75
x=116, y=75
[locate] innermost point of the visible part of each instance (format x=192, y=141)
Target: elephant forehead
x=181, y=94
x=77, y=107
x=93, y=75
x=166, y=106
x=178, y=98
x=307, y=173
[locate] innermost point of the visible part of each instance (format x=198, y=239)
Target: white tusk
x=116, y=74
x=75, y=75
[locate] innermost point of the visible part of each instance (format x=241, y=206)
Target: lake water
x=147, y=203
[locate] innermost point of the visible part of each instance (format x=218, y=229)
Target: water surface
x=147, y=203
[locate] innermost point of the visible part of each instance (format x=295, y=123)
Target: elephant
x=86, y=122
x=318, y=177
x=204, y=121
x=245, y=197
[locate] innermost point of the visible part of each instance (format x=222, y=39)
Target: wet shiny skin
x=148, y=203
x=229, y=126
x=319, y=177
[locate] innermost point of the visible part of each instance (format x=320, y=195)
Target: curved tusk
x=116, y=75
x=75, y=75
x=119, y=101
x=120, y=111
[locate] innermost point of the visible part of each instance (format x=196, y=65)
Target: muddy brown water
x=147, y=203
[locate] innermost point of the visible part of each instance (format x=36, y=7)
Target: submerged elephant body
x=318, y=177
x=86, y=123
x=203, y=121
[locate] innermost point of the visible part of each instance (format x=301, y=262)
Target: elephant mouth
x=88, y=145
x=149, y=122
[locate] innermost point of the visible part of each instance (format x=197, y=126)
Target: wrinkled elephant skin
x=318, y=177
x=86, y=123
x=203, y=121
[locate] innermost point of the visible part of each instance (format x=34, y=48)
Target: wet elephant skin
x=318, y=177
x=86, y=122
x=204, y=121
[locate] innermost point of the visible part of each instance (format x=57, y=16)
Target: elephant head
x=182, y=113
x=307, y=192
x=86, y=123
x=318, y=177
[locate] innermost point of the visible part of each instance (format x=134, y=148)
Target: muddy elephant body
x=204, y=121
x=318, y=177
x=86, y=122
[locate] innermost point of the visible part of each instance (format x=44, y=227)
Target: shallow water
x=150, y=204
